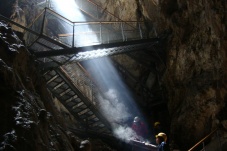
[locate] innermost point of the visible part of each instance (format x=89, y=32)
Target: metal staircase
x=78, y=100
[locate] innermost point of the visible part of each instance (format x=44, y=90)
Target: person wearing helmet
x=156, y=124
x=161, y=139
x=139, y=127
x=157, y=128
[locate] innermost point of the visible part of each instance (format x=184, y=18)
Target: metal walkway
x=60, y=40
x=55, y=40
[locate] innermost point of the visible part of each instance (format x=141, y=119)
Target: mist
x=117, y=103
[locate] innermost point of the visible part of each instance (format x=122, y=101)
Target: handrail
x=58, y=14
x=106, y=22
x=89, y=77
x=109, y=13
x=63, y=73
x=100, y=23
x=36, y=18
x=91, y=22
x=105, y=10
x=18, y=25
x=202, y=140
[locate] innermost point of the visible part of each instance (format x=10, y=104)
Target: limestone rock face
x=22, y=12
x=196, y=73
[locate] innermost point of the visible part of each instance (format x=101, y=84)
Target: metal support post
x=79, y=4
x=204, y=146
x=48, y=4
x=100, y=34
x=122, y=31
x=108, y=37
x=73, y=34
x=97, y=11
x=141, y=34
x=44, y=17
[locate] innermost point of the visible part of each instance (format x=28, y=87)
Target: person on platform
x=161, y=139
x=140, y=128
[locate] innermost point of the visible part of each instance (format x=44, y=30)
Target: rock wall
x=196, y=72
x=21, y=11
x=29, y=119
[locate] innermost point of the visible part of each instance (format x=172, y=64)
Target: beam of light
x=68, y=9
x=84, y=35
x=118, y=105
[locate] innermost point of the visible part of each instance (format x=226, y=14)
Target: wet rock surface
x=28, y=122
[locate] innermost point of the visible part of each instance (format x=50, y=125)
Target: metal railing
x=92, y=9
x=203, y=140
x=96, y=11
x=83, y=82
x=79, y=34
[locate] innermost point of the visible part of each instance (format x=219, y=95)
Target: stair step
x=70, y=99
x=83, y=112
x=72, y=104
x=53, y=78
x=78, y=105
x=67, y=96
x=57, y=86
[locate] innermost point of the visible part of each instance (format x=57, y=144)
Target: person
x=157, y=127
x=161, y=139
x=140, y=129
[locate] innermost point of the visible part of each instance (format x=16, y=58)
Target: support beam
x=102, y=49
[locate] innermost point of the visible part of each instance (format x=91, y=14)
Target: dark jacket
x=163, y=147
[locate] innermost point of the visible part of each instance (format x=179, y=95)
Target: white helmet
x=136, y=119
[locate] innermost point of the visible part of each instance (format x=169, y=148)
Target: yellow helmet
x=163, y=135
x=156, y=124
